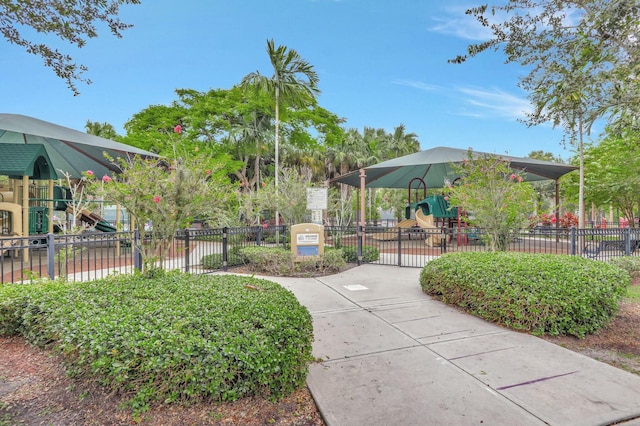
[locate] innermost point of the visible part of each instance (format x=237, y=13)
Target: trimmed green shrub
x=628, y=263
x=538, y=293
x=179, y=338
x=280, y=262
x=369, y=253
x=270, y=260
x=214, y=261
x=333, y=260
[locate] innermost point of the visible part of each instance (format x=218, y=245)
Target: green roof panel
x=17, y=161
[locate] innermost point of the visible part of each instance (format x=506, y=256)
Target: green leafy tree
x=291, y=200
x=581, y=58
x=545, y=36
x=103, y=130
x=150, y=128
x=496, y=198
x=294, y=81
x=72, y=21
x=611, y=173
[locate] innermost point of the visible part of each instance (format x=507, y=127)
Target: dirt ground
x=34, y=389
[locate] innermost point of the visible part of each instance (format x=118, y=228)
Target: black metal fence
x=93, y=255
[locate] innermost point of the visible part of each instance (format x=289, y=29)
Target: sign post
x=317, y=201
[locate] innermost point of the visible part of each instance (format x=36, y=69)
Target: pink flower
x=89, y=173
x=178, y=129
x=519, y=178
x=446, y=198
x=242, y=184
x=513, y=176
x=156, y=199
x=208, y=172
x=106, y=178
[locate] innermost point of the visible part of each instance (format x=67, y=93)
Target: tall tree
x=72, y=21
x=294, y=81
x=104, y=130
x=400, y=143
x=611, y=173
x=547, y=36
x=581, y=57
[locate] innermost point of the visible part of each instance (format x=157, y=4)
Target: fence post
x=259, y=235
x=443, y=243
x=572, y=240
x=51, y=257
x=137, y=255
x=187, y=250
x=400, y=246
x=627, y=241
x=359, y=234
x=284, y=237
x=225, y=251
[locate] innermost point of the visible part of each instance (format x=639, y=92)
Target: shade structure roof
x=69, y=151
x=434, y=167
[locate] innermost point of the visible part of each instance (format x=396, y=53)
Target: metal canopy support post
x=363, y=177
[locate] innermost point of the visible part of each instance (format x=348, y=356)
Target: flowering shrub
x=167, y=193
x=568, y=220
x=495, y=196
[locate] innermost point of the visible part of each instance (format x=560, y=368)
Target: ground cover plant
x=175, y=338
x=537, y=293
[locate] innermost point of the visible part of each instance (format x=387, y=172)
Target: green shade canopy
x=68, y=151
x=17, y=161
x=434, y=166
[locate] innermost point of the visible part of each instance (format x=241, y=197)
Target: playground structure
x=431, y=213
x=39, y=210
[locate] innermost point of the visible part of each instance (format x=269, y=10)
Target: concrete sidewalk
x=394, y=356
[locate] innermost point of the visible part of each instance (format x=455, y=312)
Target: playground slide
x=426, y=222
x=393, y=233
x=94, y=220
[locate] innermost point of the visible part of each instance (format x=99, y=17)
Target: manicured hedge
x=280, y=262
x=631, y=264
x=214, y=261
x=176, y=338
x=369, y=253
x=539, y=293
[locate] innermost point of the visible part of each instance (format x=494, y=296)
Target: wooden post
x=50, y=205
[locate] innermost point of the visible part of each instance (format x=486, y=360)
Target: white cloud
x=494, y=103
x=416, y=84
x=458, y=24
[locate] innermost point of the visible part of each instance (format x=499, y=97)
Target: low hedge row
x=538, y=293
x=369, y=253
x=280, y=262
x=176, y=338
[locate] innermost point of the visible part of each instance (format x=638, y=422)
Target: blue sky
x=381, y=63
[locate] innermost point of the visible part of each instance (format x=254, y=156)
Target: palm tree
x=294, y=81
x=400, y=143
